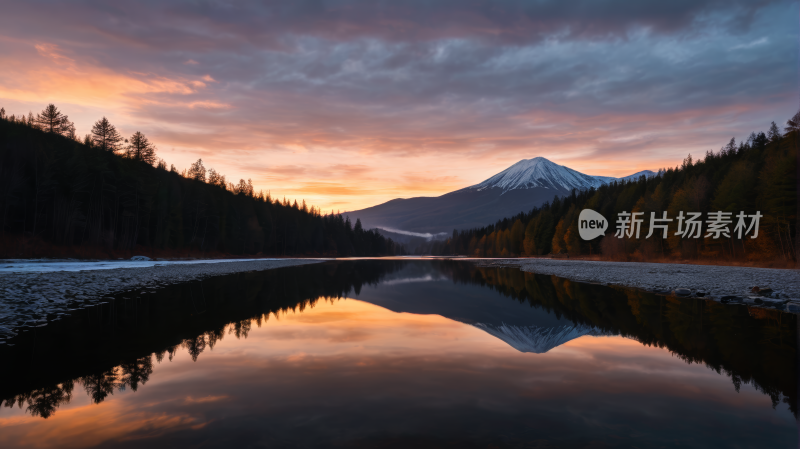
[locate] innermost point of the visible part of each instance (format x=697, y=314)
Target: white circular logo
x=591, y=224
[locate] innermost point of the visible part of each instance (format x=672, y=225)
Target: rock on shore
x=710, y=281
x=29, y=300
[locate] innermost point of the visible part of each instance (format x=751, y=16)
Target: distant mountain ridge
x=519, y=188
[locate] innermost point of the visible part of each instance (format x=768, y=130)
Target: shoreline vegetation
x=758, y=174
x=103, y=196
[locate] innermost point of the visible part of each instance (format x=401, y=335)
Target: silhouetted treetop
x=53, y=121
x=140, y=149
x=105, y=136
x=197, y=171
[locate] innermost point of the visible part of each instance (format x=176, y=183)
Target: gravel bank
x=32, y=299
x=716, y=282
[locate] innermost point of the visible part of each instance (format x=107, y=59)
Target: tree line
x=756, y=174
x=110, y=193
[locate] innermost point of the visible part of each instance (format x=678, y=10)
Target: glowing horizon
x=348, y=105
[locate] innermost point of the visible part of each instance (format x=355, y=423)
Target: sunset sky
x=348, y=104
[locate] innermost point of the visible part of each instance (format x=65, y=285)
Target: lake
x=403, y=353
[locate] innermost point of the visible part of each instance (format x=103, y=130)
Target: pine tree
x=793, y=124
x=141, y=149
x=105, y=136
x=197, y=171
x=3, y=113
x=774, y=134
x=51, y=120
x=730, y=148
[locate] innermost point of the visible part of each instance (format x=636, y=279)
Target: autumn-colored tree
x=539, y=234
x=558, y=238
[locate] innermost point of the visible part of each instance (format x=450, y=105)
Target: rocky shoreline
x=30, y=300
x=777, y=288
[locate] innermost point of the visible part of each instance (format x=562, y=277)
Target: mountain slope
x=519, y=188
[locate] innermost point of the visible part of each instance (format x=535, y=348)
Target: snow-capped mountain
x=540, y=172
x=536, y=339
x=519, y=188
x=423, y=290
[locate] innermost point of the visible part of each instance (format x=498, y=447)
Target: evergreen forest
x=756, y=175
x=104, y=195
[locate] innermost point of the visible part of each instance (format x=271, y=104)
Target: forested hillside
x=757, y=175
x=105, y=195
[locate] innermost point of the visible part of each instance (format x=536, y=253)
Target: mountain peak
x=541, y=172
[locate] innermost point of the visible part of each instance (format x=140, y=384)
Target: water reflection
x=399, y=368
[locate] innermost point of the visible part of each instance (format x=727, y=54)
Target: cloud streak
x=354, y=103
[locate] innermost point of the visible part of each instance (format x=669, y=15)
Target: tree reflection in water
x=756, y=346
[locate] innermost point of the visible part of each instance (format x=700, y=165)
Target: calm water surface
x=402, y=354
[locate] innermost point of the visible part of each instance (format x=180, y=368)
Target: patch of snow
x=540, y=172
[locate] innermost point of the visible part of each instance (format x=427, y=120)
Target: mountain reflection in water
x=281, y=358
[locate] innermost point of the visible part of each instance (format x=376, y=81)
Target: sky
x=348, y=104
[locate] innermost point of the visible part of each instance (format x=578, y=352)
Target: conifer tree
x=774, y=134
x=793, y=124
x=51, y=120
x=141, y=149
x=3, y=113
x=105, y=136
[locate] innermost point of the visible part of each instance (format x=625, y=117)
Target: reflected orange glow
x=369, y=343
